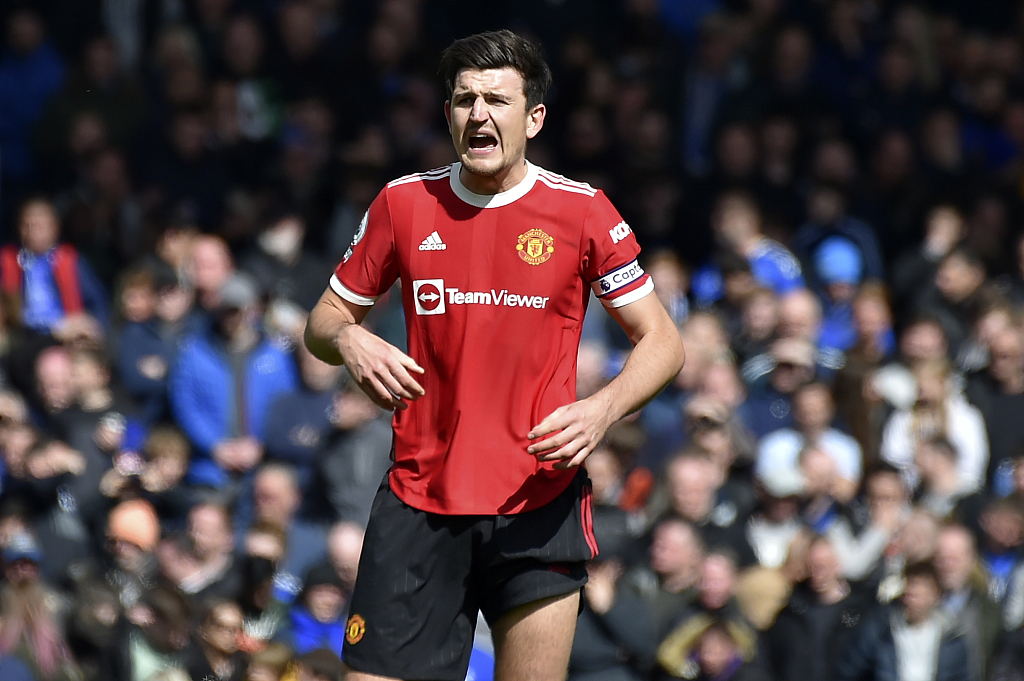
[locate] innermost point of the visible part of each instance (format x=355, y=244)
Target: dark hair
x=498, y=50
x=923, y=568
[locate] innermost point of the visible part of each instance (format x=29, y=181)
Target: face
x=823, y=567
x=1007, y=355
x=222, y=629
x=812, y=407
x=276, y=498
x=884, y=491
x=38, y=228
x=490, y=124
x=954, y=558
x=53, y=374
x=920, y=596
x=138, y=303
x=715, y=652
x=717, y=581
x=673, y=550
x=692, y=486
x=605, y=474
x=325, y=603
x=210, y=531
x=957, y=279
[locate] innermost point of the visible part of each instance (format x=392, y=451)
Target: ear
x=448, y=114
x=535, y=121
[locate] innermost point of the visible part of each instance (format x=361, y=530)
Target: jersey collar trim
x=493, y=200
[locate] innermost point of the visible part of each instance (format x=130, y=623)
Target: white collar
x=493, y=200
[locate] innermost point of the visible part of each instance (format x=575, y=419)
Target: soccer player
x=485, y=507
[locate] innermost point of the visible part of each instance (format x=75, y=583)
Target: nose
x=479, y=110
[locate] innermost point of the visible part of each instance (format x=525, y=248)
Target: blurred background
x=829, y=198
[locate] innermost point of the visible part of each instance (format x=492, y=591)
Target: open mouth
x=483, y=142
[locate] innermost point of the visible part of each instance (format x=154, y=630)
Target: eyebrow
x=485, y=93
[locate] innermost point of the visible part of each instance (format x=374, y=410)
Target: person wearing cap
x=839, y=266
x=223, y=385
x=770, y=407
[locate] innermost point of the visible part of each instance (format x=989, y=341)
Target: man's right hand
x=380, y=369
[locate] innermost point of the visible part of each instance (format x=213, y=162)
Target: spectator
x=319, y=665
x=354, y=456
x=813, y=411
x=859, y=547
x=958, y=281
x=317, y=619
x=775, y=523
x=299, y=421
x=693, y=483
x=771, y=407
x=615, y=635
x=737, y=224
x=720, y=655
x=282, y=266
x=213, y=542
x=58, y=292
x=269, y=664
x=998, y=393
x=231, y=359
x=276, y=501
x=941, y=492
x=1002, y=526
x=892, y=645
x=133, y=532
x=837, y=263
x=154, y=309
x=965, y=599
x=213, y=652
x=939, y=410
x=30, y=628
x=820, y=621
x=716, y=600
x=668, y=583
x=151, y=638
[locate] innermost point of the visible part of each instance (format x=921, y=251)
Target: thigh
x=533, y=642
x=412, y=615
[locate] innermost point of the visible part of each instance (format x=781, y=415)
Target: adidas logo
x=433, y=243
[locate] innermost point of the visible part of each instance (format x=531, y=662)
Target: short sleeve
x=609, y=256
x=369, y=267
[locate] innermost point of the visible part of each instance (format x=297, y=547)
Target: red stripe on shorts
x=587, y=509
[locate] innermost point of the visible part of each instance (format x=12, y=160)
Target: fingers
x=552, y=423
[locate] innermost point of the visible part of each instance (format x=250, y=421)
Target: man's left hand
x=579, y=428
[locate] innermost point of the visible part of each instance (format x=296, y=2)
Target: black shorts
x=424, y=576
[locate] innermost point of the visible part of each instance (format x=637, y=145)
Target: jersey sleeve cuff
x=350, y=295
x=630, y=296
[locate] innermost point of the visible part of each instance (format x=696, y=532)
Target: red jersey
x=494, y=290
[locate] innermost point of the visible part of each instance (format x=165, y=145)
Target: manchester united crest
x=535, y=246
x=355, y=629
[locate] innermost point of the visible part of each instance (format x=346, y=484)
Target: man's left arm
x=656, y=358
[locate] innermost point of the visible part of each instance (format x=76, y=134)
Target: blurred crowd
x=829, y=195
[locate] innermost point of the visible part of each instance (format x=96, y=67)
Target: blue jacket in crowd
x=202, y=391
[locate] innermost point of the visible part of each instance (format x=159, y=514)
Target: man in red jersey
x=485, y=507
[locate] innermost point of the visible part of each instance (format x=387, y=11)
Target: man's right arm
x=333, y=334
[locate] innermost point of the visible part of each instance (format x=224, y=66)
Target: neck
x=494, y=184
